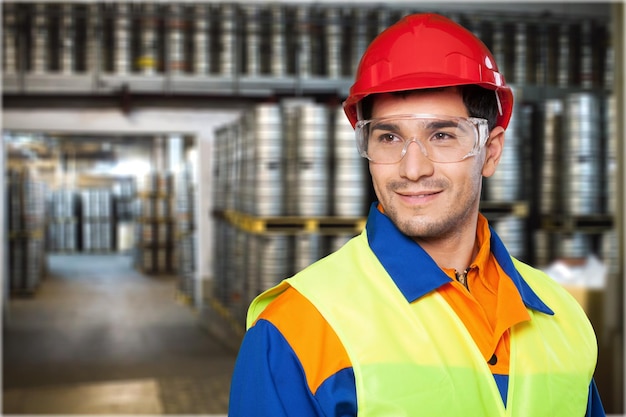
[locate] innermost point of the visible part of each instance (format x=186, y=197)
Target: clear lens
x=440, y=138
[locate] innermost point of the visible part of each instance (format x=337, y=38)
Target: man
x=425, y=313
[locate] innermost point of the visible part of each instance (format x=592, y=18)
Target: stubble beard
x=435, y=225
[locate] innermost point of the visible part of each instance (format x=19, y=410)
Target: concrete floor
x=100, y=338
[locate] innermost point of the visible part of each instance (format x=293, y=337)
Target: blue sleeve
x=268, y=380
x=594, y=404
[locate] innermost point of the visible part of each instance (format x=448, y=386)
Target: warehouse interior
x=163, y=165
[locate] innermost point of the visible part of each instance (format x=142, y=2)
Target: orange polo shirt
x=489, y=306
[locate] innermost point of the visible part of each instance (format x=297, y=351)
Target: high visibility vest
x=419, y=359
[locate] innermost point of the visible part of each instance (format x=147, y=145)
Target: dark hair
x=479, y=102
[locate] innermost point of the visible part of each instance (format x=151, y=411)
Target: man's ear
x=493, y=149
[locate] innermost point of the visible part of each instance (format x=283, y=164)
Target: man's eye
x=442, y=136
x=388, y=138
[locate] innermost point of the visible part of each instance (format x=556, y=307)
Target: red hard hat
x=426, y=51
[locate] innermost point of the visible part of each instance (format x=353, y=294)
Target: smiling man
x=425, y=313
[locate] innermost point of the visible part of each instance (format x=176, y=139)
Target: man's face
x=425, y=199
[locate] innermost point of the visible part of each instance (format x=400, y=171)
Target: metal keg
x=148, y=263
x=105, y=238
x=550, y=193
x=609, y=59
x=252, y=271
x=86, y=206
x=574, y=245
x=253, y=39
x=201, y=39
x=228, y=39
x=610, y=252
x=511, y=230
x=220, y=255
x=87, y=235
x=148, y=58
x=122, y=39
x=336, y=241
x=176, y=51
x=521, y=59
x=348, y=184
x=278, y=64
x=500, y=46
x=40, y=38
x=162, y=260
x=587, y=74
x=505, y=184
x=93, y=63
x=382, y=20
x=9, y=39
x=360, y=37
x=582, y=162
x=163, y=206
x=267, y=166
x=333, y=42
x=163, y=231
x=305, y=47
x=611, y=160
x=274, y=259
x=312, y=126
x=564, y=66
x=290, y=152
x=34, y=259
x=307, y=248
x=68, y=39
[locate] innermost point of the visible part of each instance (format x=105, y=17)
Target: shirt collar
x=400, y=256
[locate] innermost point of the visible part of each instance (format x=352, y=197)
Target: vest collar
x=399, y=254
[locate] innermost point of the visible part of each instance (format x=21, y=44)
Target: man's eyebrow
x=438, y=124
x=385, y=125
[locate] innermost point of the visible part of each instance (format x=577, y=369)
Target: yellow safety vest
x=419, y=359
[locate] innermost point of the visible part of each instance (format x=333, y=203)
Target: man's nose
x=415, y=162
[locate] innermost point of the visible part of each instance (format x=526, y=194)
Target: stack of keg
x=312, y=161
x=305, y=41
x=124, y=193
x=505, y=184
x=148, y=59
x=262, y=161
x=26, y=222
x=63, y=221
x=582, y=181
x=68, y=39
x=40, y=37
x=278, y=47
x=228, y=39
x=121, y=39
x=304, y=58
x=176, y=31
x=550, y=188
x=9, y=39
x=184, y=214
x=201, y=39
x=155, y=225
x=610, y=246
x=253, y=40
x=349, y=195
x=97, y=219
x=222, y=163
x=333, y=29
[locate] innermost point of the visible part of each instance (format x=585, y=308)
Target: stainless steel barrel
x=349, y=182
x=312, y=173
x=582, y=162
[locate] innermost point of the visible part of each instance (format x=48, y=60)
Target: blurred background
x=165, y=162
